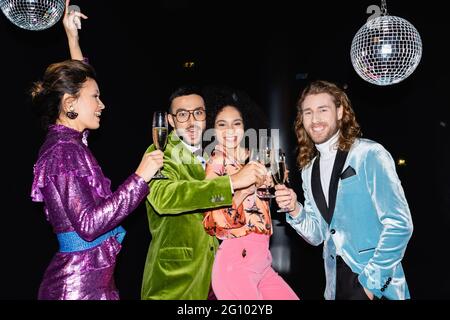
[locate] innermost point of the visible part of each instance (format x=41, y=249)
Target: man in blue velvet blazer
x=354, y=201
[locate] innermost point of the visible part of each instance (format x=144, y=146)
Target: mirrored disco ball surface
x=386, y=50
x=33, y=14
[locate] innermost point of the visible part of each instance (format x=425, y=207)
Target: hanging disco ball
x=386, y=50
x=33, y=14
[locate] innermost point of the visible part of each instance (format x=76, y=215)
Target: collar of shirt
x=197, y=151
x=328, y=149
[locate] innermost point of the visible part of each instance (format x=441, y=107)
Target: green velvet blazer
x=181, y=254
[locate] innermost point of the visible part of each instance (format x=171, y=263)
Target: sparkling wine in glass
x=160, y=131
x=265, y=159
x=279, y=174
x=160, y=137
x=254, y=156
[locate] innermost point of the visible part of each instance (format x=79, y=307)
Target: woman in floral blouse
x=242, y=267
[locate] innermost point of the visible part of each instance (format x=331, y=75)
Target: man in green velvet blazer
x=181, y=254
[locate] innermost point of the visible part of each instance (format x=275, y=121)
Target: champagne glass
x=265, y=159
x=254, y=156
x=160, y=132
x=279, y=168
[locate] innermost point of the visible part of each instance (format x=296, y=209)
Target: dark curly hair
x=218, y=97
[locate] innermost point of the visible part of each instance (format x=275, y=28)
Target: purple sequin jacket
x=78, y=198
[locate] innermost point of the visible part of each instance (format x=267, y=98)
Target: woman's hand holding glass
x=255, y=157
x=151, y=162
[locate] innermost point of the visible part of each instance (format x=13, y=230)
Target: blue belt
x=71, y=241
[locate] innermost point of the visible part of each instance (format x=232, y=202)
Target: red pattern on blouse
x=234, y=221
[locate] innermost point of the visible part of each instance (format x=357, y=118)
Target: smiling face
x=190, y=131
x=88, y=106
x=229, y=127
x=321, y=117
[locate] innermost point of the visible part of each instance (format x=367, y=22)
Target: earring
x=71, y=114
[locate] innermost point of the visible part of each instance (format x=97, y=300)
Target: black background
x=138, y=49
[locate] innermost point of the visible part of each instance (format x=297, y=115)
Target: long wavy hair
x=349, y=128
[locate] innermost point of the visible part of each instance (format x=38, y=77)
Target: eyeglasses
x=184, y=115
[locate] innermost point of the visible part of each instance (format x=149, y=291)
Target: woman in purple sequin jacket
x=78, y=202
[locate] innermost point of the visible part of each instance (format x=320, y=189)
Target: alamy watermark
x=252, y=139
x=374, y=10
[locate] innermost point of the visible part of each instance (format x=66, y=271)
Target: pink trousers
x=242, y=270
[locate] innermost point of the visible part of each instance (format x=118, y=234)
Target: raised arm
x=70, y=26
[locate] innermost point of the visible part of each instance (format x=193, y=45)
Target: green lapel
x=178, y=153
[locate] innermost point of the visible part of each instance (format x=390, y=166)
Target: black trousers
x=347, y=284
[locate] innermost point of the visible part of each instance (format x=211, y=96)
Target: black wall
x=138, y=50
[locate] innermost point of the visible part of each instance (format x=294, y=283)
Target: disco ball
x=386, y=50
x=33, y=14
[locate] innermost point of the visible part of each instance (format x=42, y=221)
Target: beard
x=322, y=137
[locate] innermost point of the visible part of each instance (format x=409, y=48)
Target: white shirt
x=328, y=151
x=194, y=149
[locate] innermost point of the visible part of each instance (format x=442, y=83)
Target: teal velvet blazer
x=371, y=224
